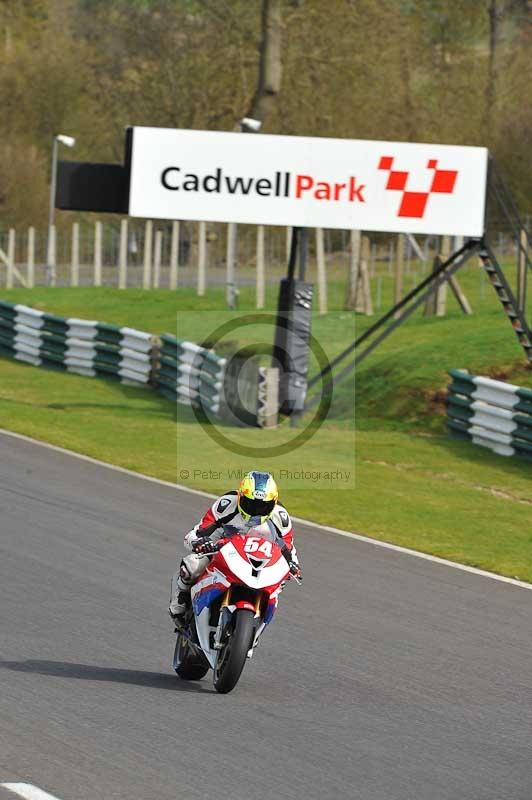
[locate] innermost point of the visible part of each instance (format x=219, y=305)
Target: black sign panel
x=83, y=186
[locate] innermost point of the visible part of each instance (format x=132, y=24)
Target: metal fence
x=132, y=253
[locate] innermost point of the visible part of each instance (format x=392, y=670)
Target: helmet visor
x=256, y=508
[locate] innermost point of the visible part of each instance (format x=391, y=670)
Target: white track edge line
x=28, y=791
x=309, y=523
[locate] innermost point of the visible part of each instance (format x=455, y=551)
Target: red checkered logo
x=413, y=204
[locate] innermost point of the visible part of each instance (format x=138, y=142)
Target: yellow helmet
x=257, y=495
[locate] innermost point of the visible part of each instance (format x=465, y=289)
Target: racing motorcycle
x=232, y=603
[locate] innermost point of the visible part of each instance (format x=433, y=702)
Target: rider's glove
x=204, y=546
x=190, y=538
x=295, y=570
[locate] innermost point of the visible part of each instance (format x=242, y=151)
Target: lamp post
x=68, y=141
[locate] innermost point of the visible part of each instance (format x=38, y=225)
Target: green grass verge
x=413, y=484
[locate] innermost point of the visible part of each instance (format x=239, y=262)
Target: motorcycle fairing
x=210, y=586
x=205, y=595
x=231, y=565
x=269, y=576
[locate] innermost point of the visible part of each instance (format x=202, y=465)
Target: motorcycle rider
x=254, y=505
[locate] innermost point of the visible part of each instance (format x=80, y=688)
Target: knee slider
x=184, y=573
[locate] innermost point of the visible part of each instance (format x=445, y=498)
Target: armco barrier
x=190, y=374
x=182, y=371
x=490, y=413
x=86, y=347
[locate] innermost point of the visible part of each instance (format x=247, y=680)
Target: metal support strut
x=511, y=305
x=392, y=320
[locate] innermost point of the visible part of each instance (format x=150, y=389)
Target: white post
x=148, y=235
x=441, y=291
x=352, y=271
x=10, y=258
x=98, y=253
x=521, y=270
x=52, y=255
x=288, y=243
x=31, y=258
x=230, y=259
x=202, y=257
x=174, y=256
x=157, y=259
x=122, y=256
x=364, y=276
x=373, y=268
x=322, y=275
x=399, y=269
x=260, y=266
x=74, y=266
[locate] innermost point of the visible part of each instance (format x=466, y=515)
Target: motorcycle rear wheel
x=188, y=663
x=232, y=657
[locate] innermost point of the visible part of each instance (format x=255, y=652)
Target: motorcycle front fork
x=225, y=615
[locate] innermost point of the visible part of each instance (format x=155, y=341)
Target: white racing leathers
x=221, y=520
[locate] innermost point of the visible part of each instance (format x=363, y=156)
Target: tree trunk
x=408, y=103
x=270, y=67
x=495, y=13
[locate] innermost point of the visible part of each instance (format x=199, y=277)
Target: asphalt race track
x=384, y=677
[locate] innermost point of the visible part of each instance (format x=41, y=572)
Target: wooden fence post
x=321, y=269
x=174, y=256
x=148, y=236
x=399, y=271
x=260, y=266
x=98, y=253
x=122, y=256
x=521, y=271
x=373, y=265
x=202, y=257
x=430, y=302
x=157, y=258
x=461, y=298
x=441, y=291
x=52, y=255
x=74, y=260
x=352, y=271
x=391, y=257
x=452, y=280
x=436, y=302
x=31, y=258
x=288, y=243
x=11, y=244
x=230, y=265
x=364, y=282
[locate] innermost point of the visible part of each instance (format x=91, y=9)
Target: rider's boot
x=180, y=601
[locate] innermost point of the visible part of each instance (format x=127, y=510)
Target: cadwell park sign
x=297, y=181
x=307, y=182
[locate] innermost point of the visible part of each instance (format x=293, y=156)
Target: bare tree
x=496, y=11
x=270, y=65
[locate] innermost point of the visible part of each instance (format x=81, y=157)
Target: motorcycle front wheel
x=232, y=657
x=188, y=663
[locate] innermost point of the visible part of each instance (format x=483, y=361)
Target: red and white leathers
x=224, y=512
